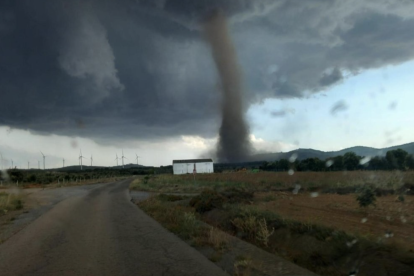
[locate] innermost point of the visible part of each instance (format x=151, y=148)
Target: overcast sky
x=138, y=75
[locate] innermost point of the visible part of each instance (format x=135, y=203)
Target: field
x=266, y=181
x=310, y=218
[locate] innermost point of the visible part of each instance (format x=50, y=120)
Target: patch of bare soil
x=390, y=221
x=329, y=234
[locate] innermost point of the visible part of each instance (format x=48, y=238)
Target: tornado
x=234, y=144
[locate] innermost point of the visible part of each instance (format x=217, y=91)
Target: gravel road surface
x=99, y=232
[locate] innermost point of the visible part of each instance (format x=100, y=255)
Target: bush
x=189, y=225
x=210, y=199
x=172, y=198
x=366, y=196
x=207, y=200
x=235, y=195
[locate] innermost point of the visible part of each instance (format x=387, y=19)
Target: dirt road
x=99, y=233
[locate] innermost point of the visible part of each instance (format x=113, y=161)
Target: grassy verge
x=182, y=220
x=10, y=202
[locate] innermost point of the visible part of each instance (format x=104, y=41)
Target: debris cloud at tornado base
x=233, y=144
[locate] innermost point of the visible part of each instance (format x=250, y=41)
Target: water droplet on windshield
x=364, y=220
x=403, y=219
x=293, y=157
x=351, y=243
x=314, y=194
x=296, y=190
x=392, y=105
x=329, y=163
x=364, y=160
x=291, y=172
x=352, y=273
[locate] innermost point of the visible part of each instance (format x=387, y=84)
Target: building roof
x=193, y=161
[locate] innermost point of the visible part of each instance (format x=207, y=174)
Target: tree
x=409, y=161
x=351, y=161
x=338, y=163
x=396, y=158
x=282, y=165
x=378, y=163
x=16, y=175
x=311, y=164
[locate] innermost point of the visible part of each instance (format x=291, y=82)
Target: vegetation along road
x=100, y=232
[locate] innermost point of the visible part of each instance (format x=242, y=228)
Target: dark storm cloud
x=142, y=69
x=331, y=78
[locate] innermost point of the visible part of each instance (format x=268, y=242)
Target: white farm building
x=193, y=166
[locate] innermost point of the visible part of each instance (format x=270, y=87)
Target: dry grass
x=218, y=239
x=243, y=266
x=135, y=184
x=10, y=202
x=275, y=180
x=180, y=220
x=263, y=232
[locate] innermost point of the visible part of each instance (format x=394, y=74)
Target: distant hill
x=85, y=167
x=311, y=153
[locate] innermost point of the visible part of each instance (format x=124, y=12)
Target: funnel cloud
x=233, y=144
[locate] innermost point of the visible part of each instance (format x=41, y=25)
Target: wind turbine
x=91, y=160
x=12, y=163
x=123, y=158
x=63, y=162
x=28, y=164
x=116, y=154
x=44, y=157
x=80, y=158
x=137, y=159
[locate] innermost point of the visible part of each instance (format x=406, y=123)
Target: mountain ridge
x=302, y=153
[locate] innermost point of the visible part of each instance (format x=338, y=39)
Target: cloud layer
x=141, y=69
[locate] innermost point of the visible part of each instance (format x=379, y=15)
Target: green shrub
x=207, y=200
x=165, y=197
x=237, y=195
x=366, y=196
x=189, y=225
x=211, y=199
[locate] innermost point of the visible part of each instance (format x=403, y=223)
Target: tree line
x=393, y=160
x=52, y=176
